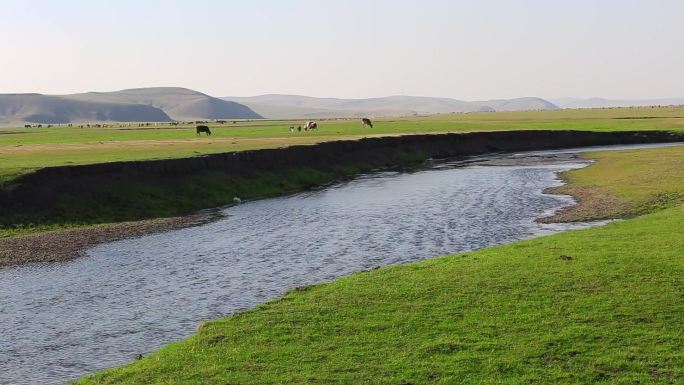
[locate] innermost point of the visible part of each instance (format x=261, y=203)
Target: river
x=59, y=321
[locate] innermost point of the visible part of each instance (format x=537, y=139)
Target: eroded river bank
x=62, y=320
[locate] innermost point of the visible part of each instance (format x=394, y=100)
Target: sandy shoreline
x=591, y=203
x=67, y=244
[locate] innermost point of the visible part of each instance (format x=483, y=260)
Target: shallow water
x=62, y=320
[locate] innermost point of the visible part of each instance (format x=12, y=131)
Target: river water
x=59, y=321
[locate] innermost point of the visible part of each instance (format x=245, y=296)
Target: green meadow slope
x=601, y=305
x=638, y=182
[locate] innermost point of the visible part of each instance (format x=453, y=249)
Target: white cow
x=311, y=125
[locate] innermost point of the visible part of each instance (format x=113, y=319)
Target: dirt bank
x=592, y=204
x=54, y=188
x=128, y=192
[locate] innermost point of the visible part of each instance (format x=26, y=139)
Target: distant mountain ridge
x=36, y=108
x=179, y=103
x=297, y=106
x=607, y=103
x=158, y=104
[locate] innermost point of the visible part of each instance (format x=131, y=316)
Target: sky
x=469, y=50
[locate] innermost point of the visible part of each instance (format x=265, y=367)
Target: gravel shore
x=591, y=205
x=62, y=245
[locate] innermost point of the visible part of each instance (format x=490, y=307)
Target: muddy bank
x=133, y=191
x=66, y=244
x=47, y=186
x=592, y=205
x=122, y=191
x=376, y=150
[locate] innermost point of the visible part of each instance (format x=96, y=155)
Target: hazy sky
x=462, y=49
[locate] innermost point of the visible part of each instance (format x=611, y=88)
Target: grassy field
x=631, y=188
x=602, y=305
x=23, y=150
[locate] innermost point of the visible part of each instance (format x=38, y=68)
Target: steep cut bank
x=122, y=191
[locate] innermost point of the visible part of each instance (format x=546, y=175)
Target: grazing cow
x=291, y=128
x=205, y=129
x=27, y=126
x=311, y=125
x=299, y=128
x=367, y=122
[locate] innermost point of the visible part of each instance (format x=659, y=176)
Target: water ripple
x=59, y=321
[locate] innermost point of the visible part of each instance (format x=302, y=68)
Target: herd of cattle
x=308, y=126
x=201, y=128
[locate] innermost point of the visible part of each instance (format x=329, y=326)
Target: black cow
x=201, y=129
x=367, y=122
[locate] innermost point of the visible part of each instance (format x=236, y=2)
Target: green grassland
x=25, y=149
x=631, y=188
x=635, y=175
x=602, y=305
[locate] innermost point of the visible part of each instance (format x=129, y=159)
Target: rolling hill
x=161, y=104
x=295, y=106
x=519, y=104
x=178, y=103
x=174, y=103
x=607, y=103
x=36, y=108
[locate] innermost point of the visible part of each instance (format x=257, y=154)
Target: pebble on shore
x=66, y=244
